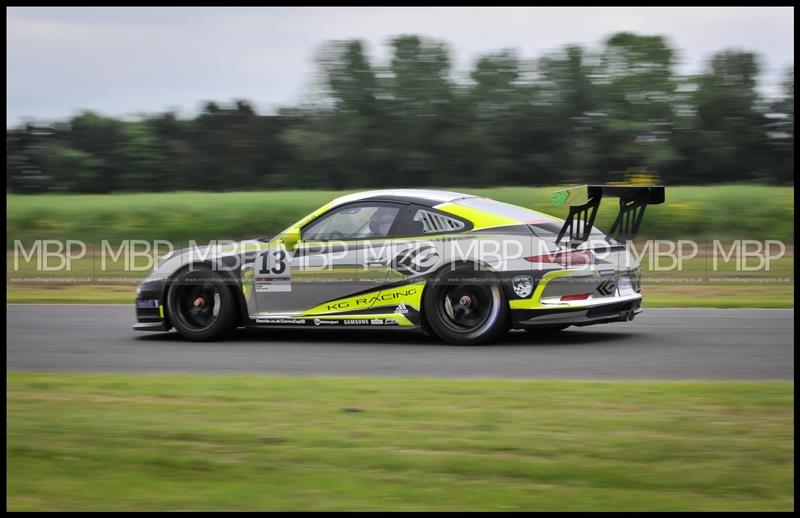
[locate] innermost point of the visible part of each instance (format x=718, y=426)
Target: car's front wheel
x=466, y=307
x=201, y=305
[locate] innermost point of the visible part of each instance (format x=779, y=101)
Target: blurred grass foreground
x=190, y=442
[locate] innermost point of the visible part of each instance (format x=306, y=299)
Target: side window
x=433, y=222
x=353, y=222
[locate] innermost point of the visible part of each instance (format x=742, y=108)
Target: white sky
x=122, y=61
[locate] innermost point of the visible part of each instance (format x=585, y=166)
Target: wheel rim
x=466, y=307
x=198, y=304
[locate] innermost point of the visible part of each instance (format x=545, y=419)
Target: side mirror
x=290, y=238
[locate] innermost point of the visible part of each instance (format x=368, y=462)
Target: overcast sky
x=122, y=61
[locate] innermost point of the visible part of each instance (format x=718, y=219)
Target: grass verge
x=691, y=212
x=189, y=442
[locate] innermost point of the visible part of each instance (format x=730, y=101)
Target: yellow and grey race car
x=461, y=267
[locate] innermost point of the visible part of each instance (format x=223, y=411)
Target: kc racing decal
x=400, y=303
x=398, y=297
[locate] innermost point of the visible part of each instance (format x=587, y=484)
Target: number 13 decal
x=274, y=262
x=273, y=271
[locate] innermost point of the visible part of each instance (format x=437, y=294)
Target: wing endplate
x=583, y=202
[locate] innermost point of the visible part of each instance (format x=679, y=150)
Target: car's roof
x=429, y=197
x=482, y=212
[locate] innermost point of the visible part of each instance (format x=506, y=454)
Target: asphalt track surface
x=659, y=344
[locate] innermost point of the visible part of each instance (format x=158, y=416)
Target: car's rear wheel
x=466, y=307
x=201, y=305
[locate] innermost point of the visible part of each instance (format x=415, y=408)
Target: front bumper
x=150, y=315
x=152, y=326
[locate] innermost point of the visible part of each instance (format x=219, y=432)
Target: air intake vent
x=433, y=222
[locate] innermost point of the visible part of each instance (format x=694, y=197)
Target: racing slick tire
x=201, y=305
x=466, y=307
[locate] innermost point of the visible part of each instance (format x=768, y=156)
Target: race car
x=461, y=267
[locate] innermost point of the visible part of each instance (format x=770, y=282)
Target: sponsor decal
x=523, y=286
x=356, y=322
x=147, y=303
x=401, y=308
x=318, y=322
x=560, y=197
x=607, y=288
x=416, y=261
x=280, y=321
x=263, y=284
x=247, y=282
x=368, y=300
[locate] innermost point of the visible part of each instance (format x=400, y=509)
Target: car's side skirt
x=362, y=319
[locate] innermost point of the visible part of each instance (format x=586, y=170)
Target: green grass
x=698, y=212
x=76, y=293
x=766, y=295
x=187, y=442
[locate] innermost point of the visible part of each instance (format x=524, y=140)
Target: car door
x=421, y=246
x=340, y=254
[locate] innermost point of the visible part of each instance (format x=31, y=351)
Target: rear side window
x=434, y=223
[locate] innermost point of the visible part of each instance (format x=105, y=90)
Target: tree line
x=574, y=115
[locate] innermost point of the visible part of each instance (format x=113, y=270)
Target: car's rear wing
x=583, y=202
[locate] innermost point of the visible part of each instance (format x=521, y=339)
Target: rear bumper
x=600, y=297
x=623, y=311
